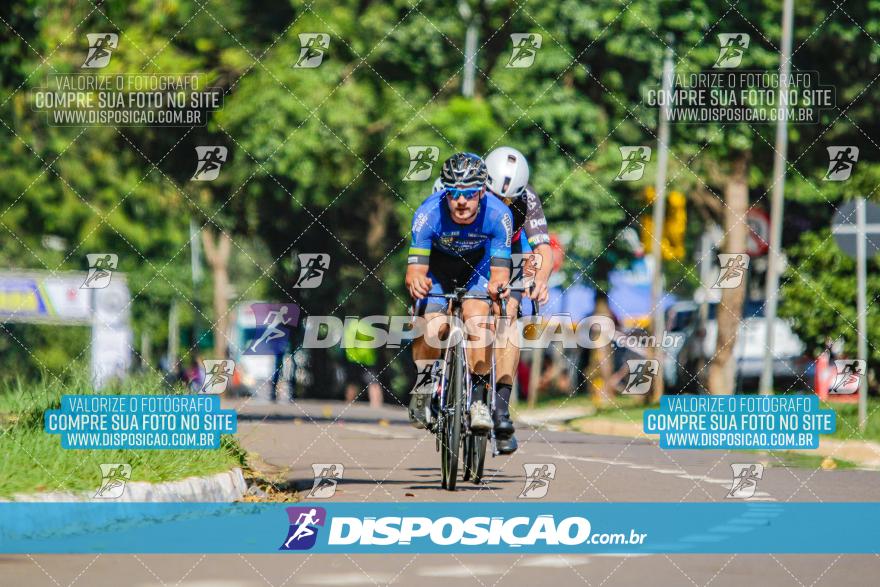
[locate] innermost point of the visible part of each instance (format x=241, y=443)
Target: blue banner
x=741, y=422
x=364, y=528
x=158, y=422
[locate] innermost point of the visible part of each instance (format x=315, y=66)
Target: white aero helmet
x=438, y=186
x=508, y=172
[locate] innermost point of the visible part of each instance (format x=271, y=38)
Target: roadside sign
x=759, y=232
x=856, y=228
x=844, y=228
x=42, y=297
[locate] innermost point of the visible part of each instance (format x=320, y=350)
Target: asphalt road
x=385, y=459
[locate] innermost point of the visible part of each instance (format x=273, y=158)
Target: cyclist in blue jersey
x=461, y=237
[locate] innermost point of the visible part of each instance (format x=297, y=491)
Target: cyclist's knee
x=503, y=378
x=474, y=308
x=421, y=350
x=436, y=328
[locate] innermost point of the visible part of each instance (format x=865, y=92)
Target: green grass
x=848, y=421
x=625, y=408
x=34, y=461
x=805, y=461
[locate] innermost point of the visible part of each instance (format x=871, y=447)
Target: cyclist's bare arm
x=498, y=280
x=541, y=291
x=417, y=281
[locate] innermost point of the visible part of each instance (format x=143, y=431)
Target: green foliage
x=818, y=295
x=317, y=156
x=31, y=350
x=103, y=189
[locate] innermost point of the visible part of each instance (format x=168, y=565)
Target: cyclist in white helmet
x=509, y=180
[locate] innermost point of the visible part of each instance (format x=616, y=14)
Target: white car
x=255, y=371
x=701, y=337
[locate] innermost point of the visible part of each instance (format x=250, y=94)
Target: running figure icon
x=733, y=269
x=423, y=161
x=538, y=477
x=635, y=161
x=102, y=270
x=745, y=480
x=642, y=372
x=312, y=269
x=525, y=47
x=313, y=48
x=101, y=46
x=303, y=531
x=841, y=162
x=733, y=47
x=274, y=319
x=210, y=159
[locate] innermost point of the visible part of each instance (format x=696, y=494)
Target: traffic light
x=674, y=226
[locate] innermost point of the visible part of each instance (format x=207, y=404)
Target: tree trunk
x=736, y=197
x=377, y=226
x=217, y=256
x=600, y=368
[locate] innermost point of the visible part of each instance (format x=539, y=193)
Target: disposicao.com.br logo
x=474, y=531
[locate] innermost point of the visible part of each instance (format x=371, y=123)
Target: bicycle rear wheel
x=478, y=444
x=474, y=448
x=467, y=451
x=450, y=442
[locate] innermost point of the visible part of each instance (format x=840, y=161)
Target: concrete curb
x=551, y=417
x=613, y=428
x=222, y=487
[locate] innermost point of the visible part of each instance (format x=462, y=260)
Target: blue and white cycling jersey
x=483, y=243
x=460, y=254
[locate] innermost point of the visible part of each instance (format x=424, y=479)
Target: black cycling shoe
x=505, y=441
x=506, y=445
x=503, y=425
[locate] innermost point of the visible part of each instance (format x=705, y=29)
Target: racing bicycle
x=474, y=445
x=453, y=400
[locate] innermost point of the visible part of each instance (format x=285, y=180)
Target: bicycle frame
x=453, y=309
x=473, y=445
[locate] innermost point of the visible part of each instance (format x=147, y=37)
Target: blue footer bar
x=375, y=528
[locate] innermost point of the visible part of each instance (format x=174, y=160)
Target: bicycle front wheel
x=451, y=432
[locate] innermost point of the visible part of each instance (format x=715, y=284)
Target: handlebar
x=460, y=294
x=535, y=306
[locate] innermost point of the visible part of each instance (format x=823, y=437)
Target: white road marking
x=461, y=571
x=204, y=583
x=382, y=432
x=681, y=474
x=557, y=561
x=345, y=578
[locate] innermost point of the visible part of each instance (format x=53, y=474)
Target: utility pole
x=779, y=160
x=173, y=335
x=195, y=252
x=659, y=217
x=862, y=306
x=470, y=49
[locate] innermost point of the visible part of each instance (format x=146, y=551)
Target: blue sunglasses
x=469, y=193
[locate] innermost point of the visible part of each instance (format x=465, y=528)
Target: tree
x=104, y=189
